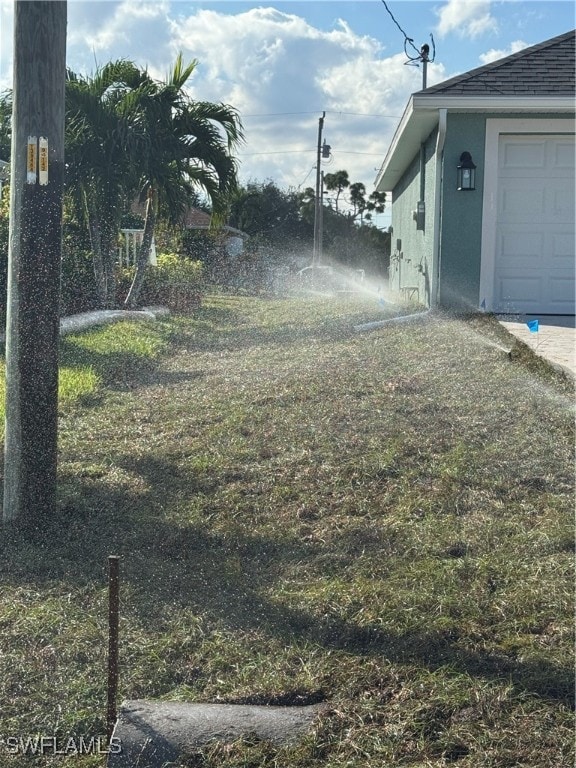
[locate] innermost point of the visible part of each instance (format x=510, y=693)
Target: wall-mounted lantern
x=466, y=173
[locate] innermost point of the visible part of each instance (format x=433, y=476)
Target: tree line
x=282, y=222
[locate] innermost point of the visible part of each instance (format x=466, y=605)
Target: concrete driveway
x=555, y=340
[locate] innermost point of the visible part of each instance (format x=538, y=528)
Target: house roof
x=194, y=218
x=541, y=70
x=537, y=79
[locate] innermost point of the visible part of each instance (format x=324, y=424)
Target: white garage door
x=535, y=231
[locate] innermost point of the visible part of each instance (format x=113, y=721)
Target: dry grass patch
x=382, y=521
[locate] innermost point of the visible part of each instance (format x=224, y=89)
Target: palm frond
x=180, y=74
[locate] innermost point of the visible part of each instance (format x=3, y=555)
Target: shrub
x=174, y=282
x=78, y=287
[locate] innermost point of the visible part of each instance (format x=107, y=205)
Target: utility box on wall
x=418, y=214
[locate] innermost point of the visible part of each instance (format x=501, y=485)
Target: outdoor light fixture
x=466, y=173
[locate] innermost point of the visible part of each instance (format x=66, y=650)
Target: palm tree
x=128, y=134
x=104, y=134
x=189, y=145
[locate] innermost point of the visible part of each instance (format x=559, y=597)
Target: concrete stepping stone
x=149, y=734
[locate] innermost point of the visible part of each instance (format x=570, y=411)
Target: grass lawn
x=382, y=521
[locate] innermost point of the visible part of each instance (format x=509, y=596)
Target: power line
x=422, y=55
x=276, y=152
x=328, y=112
x=278, y=114
x=301, y=151
x=406, y=38
x=362, y=114
x=306, y=177
x=344, y=152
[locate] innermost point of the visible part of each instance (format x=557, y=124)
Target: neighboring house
x=233, y=238
x=508, y=244
x=195, y=218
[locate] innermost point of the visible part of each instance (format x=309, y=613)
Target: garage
x=503, y=242
x=535, y=225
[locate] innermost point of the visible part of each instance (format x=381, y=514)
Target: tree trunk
x=143, y=252
x=103, y=228
x=32, y=328
x=96, y=245
x=109, y=240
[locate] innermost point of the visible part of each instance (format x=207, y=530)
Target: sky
x=282, y=64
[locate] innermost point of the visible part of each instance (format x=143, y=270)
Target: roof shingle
x=545, y=69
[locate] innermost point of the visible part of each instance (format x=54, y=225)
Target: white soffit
x=421, y=117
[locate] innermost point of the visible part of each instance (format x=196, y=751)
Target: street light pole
x=317, y=253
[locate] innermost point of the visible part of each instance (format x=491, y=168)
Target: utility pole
x=425, y=58
x=317, y=202
x=321, y=219
x=33, y=317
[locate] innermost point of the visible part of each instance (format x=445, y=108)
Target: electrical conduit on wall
x=436, y=253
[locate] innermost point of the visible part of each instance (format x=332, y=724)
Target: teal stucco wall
x=461, y=223
x=412, y=249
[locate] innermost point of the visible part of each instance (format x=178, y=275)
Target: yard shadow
x=222, y=576
x=120, y=371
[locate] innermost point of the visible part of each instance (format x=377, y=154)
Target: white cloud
x=281, y=73
x=103, y=31
x=264, y=56
x=494, y=54
x=6, y=31
x=466, y=18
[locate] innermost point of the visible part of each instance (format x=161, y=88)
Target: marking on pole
x=43, y=160
x=31, y=160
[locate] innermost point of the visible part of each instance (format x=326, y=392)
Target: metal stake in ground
x=113, y=612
